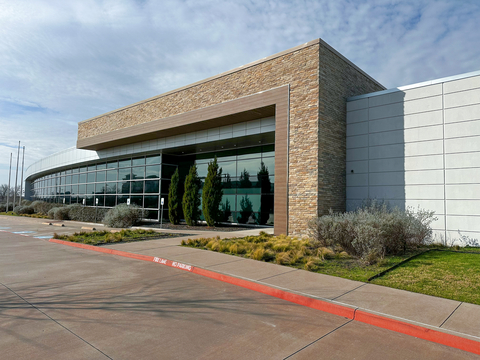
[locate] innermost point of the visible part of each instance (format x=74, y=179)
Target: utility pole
x=16, y=177
x=21, y=182
x=9, y=175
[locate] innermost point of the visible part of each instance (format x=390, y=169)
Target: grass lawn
x=106, y=237
x=448, y=274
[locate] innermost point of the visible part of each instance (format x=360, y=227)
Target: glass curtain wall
x=106, y=184
x=248, y=177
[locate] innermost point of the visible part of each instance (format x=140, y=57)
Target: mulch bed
x=199, y=227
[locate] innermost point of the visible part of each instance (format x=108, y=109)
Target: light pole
x=16, y=177
x=21, y=182
x=9, y=175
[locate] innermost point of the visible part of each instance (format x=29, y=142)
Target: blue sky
x=65, y=61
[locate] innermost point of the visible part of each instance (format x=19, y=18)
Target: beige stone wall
x=299, y=69
x=338, y=80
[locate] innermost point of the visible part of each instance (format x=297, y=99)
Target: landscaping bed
x=452, y=273
x=298, y=253
x=107, y=237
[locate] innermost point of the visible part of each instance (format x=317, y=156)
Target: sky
x=65, y=61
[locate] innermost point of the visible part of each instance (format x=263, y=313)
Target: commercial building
x=278, y=128
x=419, y=146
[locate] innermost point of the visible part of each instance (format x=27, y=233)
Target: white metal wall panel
x=421, y=148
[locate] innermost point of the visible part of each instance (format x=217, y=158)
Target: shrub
x=191, y=197
x=372, y=231
x=51, y=213
x=23, y=210
x=123, y=215
x=174, y=199
x=77, y=212
x=212, y=193
x=42, y=207
x=61, y=213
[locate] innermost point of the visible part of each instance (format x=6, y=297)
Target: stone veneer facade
x=319, y=80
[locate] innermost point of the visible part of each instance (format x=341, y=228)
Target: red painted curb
x=340, y=310
x=418, y=331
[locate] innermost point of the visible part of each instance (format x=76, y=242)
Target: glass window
x=111, y=188
x=228, y=203
x=82, y=178
x=99, y=188
x=137, y=187
x=75, y=170
x=164, y=186
x=100, y=176
x=123, y=187
x=112, y=175
x=74, y=190
x=82, y=189
x=124, y=163
x=110, y=200
x=101, y=166
x=202, y=170
x=153, y=172
x=75, y=179
x=138, y=161
x=137, y=200
x=124, y=174
x=151, y=202
x=90, y=177
x=91, y=167
x=249, y=153
x=269, y=163
x=153, y=215
x=68, y=189
x=122, y=199
x=228, y=167
x=89, y=201
x=151, y=186
x=155, y=159
x=68, y=179
x=248, y=204
x=90, y=188
x=138, y=172
x=83, y=169
x=251, y=166
x=167, y=171
x=112, y=164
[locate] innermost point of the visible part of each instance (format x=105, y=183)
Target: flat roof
x=417, y=85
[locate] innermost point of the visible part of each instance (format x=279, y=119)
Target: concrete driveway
x=58, y=302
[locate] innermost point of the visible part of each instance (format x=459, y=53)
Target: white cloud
x=65, y=61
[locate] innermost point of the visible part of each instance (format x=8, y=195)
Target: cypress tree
x=212, y=193
x=174, y=199
x=191, y=197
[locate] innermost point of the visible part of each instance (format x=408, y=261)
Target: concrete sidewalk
x=448, y=316
x=453, y=317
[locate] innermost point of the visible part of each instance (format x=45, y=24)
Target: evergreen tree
x=212, y=193
x=266, y=199
x=191, y=197
x=174, y=199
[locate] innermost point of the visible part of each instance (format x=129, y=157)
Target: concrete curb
x=353, y=313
